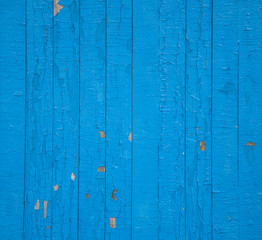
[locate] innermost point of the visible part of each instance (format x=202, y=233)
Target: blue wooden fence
x=131, y=119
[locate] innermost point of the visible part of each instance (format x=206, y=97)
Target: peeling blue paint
x=131, y=119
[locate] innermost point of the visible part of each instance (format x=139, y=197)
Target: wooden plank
x=146, y=120
x=92, y=117
x=12, y=118
x=118, y=119
x=39, y=114
x=224, y=121
x=171, y=146
x=198, y=120
x=250, y=119
x=66, y=120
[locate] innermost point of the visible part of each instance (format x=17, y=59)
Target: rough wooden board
x=250, y=119
x=92, y=119
x=66, y=121
x=198, y=120
x=225, y=188
x=12, y=118
x=118, y=118
x=146, y=119
x=39, y=118
x=172, y=102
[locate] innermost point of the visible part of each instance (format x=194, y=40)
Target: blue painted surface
x=131, y=119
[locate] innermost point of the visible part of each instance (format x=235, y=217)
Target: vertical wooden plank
x=12, y=118
x=250, y=119
x=38, y=181
x=66, y=120
x=92, y=116
x=146, y=120
x=198, y=120
x=118, y=119
x=171, y=205
x=224, y=121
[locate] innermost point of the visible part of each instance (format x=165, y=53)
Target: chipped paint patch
x=87, y=196
x=113, y=196
x=37, y=205
x=202, y=146
x=45, y=208
x=56, y=187
x=48, y=227
x=102, y=134
x=252, y=144
x=112, y=222
x=101, y=169
x=197, y=128
x=130, y=137
x=57, y=7
x=73, y=176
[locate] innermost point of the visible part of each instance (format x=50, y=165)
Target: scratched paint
x=131, y=119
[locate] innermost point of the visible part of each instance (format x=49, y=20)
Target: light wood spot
x=112, y=222
x=73, y=176
x=87, y=196
x=102, y=134
x=252, y=144
x=101, y=169
x=48, y=227
x=203, y=146
x=56, y=187
x=130, y=137
x=57, y=7
x=197, y=128
x=45, y=208
x=37, y=205
x=113, y=196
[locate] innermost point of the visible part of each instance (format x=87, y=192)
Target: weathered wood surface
x=131, y=119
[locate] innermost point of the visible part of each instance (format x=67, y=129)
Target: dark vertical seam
x=212, y=25
x=105, y=115
x=53, y=107
x=185, y=131
x=25, y=122
x=238, y=160
x=132, y=112
x=79, y=111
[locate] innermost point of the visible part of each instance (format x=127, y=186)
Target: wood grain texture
x=118, y=118
x=198, y=120
x=12, y=118
x=171, y=146
x=92, y=119
x=66, y=121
